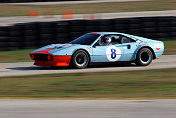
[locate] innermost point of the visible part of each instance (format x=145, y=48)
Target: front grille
x=41, y=57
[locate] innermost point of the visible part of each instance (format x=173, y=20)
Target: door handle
x=128, y=46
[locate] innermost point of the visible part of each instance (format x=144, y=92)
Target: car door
x=107, y=53
x=129, y=45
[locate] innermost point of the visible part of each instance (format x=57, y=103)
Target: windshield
x=86, y=39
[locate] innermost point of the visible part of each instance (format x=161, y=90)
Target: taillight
x=32, y=56
x=49, y=57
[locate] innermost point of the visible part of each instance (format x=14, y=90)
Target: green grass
x=148, y=83
x=170, y=47
x=15, y=56
x=23, y=55
x=153, y=5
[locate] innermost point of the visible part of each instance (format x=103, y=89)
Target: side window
x=110, y=40
x=126, y=40
x=115, y=39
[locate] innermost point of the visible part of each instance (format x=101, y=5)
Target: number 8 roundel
x=113, y=53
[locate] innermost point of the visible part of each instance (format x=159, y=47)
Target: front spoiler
x=57, y=61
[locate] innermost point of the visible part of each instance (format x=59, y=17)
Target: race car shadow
x=102, y=65
x=38, y=68
x=97, y=65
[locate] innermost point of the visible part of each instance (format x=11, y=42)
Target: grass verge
x=148, y=83
x=153, y=5
x=170, y=47
x=15, y=56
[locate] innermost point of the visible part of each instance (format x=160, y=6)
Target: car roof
x=103, y=33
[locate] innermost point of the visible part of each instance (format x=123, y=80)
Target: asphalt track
x=7, y=21
x=153, y=108
x=27, y=68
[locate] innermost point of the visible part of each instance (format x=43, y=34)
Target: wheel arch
x=154, y=56
x=83, y=50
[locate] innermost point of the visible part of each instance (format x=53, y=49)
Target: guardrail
x=37, y=34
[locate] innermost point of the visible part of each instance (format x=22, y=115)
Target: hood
x=63, y=46
x=48, y=48
x=54, y=48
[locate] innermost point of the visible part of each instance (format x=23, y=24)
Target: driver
x=108, y=40
x=104, y=41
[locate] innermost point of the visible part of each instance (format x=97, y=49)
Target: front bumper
x=56, y=61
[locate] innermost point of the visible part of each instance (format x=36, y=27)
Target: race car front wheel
x=144, y=57
x=80, y=59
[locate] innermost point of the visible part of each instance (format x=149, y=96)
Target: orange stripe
x=139, y=43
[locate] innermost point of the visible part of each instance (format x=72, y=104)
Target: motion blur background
x=26, y=25
x=29, y=24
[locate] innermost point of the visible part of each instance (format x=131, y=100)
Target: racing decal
x=63, y=46
x=158, y=46
x=89, y=49
x=113, y=53
x=142, y=42
x=44, y=51
x=139, y=43
x=52, y=44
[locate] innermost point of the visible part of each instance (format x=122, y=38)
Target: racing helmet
x=108, y=39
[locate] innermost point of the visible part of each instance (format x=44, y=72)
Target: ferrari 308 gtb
x=101, y=47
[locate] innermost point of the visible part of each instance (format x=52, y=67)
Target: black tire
x=77, y=22
x=92, y=28
x=4, y=39
x=16, y=33
x=106, y=28
x=121, y=21
x=150, y=30
x=173, y=29
x=150, y=19
x=17, y=27
x=164, y=29
x=105, y=22
x=134, y=31
x=164, y=24
x=80, y=59
x=144, y=57
x=77, y=28
x=150, y=35
x=46, y=24
x=134, y=26
x=32, y=26
x=135, y=20
x=92, y=23
x=3, y=33
x=173, y=24
x=62, y=29
x=173, y=34
x=30, y=32
x=149, y=24
x=47, y=30
x=165, y=18
x=59, y=24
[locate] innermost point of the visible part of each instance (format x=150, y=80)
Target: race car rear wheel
x=144, y=57
x=80, y=59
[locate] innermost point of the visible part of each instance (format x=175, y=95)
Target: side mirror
x=94, y=46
